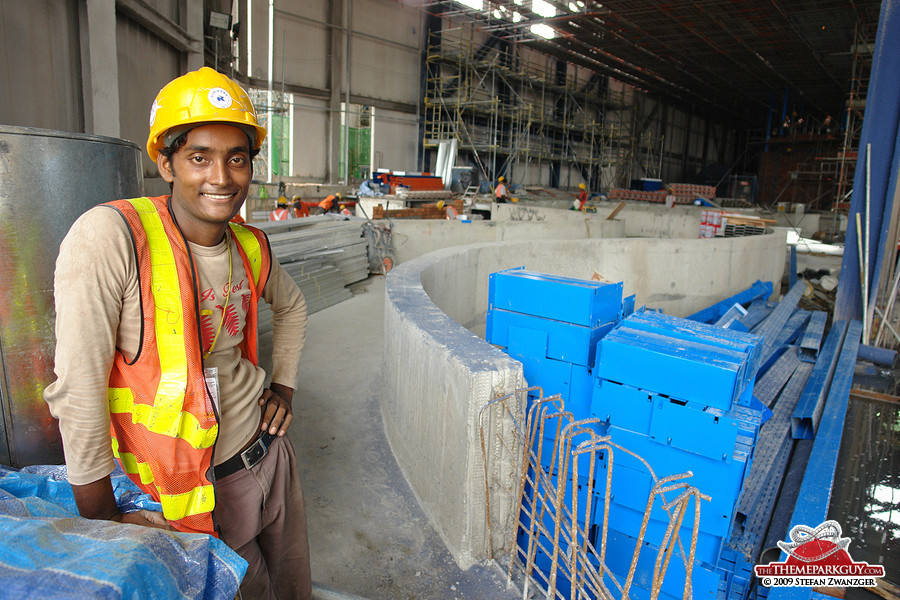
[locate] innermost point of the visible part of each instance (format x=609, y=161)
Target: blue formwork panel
x=564, y=341
x=624, y=406
x=679, y=368
x=689, y=427
x=552, y=376
x=577, y=301
x=705, y=581
x=746, y=344
x=718, y=479
x=629, y=492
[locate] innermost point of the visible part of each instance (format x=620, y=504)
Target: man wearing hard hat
x=581, y=200
x=501, y=192
x=156, y=357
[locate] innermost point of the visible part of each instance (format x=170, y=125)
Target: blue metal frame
x=815, y=492
x=881, y=129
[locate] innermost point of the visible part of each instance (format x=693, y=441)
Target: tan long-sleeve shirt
x=98, y=313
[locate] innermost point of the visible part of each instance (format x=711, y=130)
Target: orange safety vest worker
x=279, y=214
x=327, y=203
x=163, y=422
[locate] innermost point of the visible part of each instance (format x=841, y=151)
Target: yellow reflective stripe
x=173, y=423
x=169, y=316
x=251, y=247
x=199, y=500
x=131, y=465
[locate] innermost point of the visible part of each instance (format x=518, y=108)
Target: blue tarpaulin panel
x=50, y=552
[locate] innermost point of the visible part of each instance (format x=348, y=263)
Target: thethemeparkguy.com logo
x=817, y=558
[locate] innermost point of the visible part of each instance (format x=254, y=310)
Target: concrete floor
x=368, y=535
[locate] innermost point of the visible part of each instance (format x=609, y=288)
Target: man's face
x=210, y=177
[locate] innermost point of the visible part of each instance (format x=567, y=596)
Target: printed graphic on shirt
x=223, y=320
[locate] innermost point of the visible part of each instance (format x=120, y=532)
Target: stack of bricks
x=430, y=211
x=637, y=195
x=686, y=193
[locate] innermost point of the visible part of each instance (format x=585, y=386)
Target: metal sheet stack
x=322, y=254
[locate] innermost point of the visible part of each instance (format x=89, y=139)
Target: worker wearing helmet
x=582, y=197
x=501, y=193
x=166, y=289
x=281, y=212
x=330, y=202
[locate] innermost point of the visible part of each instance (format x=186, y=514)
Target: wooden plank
x=615, y=211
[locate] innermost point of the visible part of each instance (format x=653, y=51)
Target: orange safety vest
x=164, y=425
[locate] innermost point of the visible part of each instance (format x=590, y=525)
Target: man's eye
x=197, y=159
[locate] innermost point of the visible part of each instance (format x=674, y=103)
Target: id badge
x=211, y=374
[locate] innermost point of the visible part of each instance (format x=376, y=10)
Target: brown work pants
x=261, y=516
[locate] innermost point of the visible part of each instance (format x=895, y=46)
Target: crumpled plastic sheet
x=48, y=551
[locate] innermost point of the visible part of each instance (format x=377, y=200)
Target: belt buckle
x=255, y=453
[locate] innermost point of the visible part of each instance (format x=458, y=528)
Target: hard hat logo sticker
x=153, y=110
x=219, y=98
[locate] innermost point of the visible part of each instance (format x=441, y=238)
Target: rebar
x=547, y=506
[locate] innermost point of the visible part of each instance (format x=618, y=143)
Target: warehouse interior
x=772, y=126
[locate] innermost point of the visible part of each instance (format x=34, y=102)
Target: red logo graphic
x=817, y=557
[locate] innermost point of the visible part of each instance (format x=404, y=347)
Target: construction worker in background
x=281, y=212
x=345, y=211
x=670, y=197
x=300, y=208
x=501, y=193
x=156, y=357
x=330, y=202
x=582, y=196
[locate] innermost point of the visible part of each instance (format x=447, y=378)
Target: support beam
x=100, y=76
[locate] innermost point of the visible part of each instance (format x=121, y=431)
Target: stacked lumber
x=430, y=211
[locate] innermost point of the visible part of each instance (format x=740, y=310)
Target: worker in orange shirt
x=582, y=197
x=501, y=192
x=300, y=208
x=330, y=202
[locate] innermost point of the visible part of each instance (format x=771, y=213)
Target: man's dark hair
x=170, y=150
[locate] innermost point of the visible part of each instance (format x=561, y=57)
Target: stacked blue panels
x=679, y=394
x=552, y=325
x=676, y=392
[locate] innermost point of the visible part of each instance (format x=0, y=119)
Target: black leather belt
x=248, y=458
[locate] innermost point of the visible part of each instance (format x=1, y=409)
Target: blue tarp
x=48, y=551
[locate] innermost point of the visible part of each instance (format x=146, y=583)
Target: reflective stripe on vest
x=165, y=415
x=175, y=507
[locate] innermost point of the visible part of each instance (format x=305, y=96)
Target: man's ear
x=164, y=164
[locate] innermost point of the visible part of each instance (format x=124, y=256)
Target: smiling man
x=156, y=357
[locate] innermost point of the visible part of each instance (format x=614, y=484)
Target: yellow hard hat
x=581, y=186
x=203, y=96
x=501, y=178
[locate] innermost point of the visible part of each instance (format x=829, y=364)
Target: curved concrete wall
x=438, y=375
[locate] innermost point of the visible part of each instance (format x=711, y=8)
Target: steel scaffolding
x=512, y=116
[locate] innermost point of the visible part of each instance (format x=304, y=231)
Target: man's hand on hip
x=276, y=405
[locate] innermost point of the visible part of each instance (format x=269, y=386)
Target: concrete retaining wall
x=641, y=219
x=415, y=237
x=438, y=375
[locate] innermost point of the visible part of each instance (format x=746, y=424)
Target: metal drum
x=47, y=179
